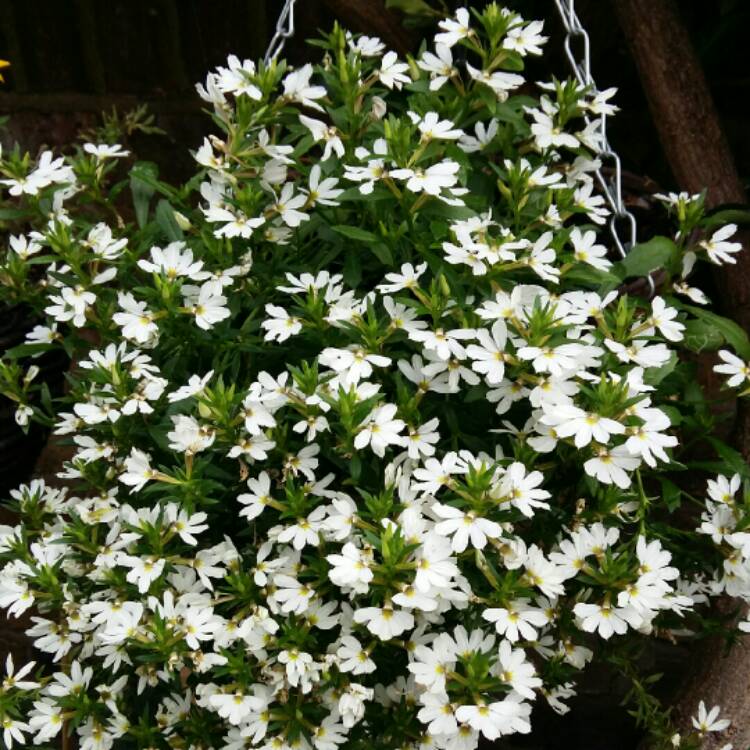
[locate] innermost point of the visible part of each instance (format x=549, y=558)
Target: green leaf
x=167, y=222
x=659, y=252
x=733, y=334
x=8, y=214
x=355, y=233
x=411, y=7
x=382, y=253
x=654, y=375
x=352, y=270
x=587, y=276
x=702, y=336
x=142, y=176
x=727, y=216
x=671, y=494
x=732, y=459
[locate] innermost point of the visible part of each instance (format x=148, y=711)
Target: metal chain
x=284, y=30
x=612, y=190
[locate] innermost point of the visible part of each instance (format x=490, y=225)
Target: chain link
x=612, y=189
x=284, y=30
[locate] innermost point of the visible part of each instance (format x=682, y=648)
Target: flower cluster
x=369, y=445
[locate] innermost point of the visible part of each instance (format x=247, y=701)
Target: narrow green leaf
x=356, y=233
x=142, y=177
x=167, y=222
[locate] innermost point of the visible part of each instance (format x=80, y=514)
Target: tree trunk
x=694, y=143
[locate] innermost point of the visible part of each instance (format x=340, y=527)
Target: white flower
x=708, y=721
x=586, y=251
x=299, y=666
x=288, y=206
x=350, y=568
x=14, y=680
x=46, y=720
x=438, y=65
x=235, y=223
x=367, y=46
x=718, y=249
x=384, y=622
x=499, y=81
x=23, y=247
x=188, y=436
x=454, y=29
x=516, y=671
x=431, y=180
x=351, y=704
x=380, y=430
x=436, y=565
x=489, y=356
x=136, y=320
x=437, y=473
x=184, y=524
x=516, y=621
x=464, y=527
x=723, y=490
x=433, y=128
x=407, y=278
x=570, y=421
x=663, y=318
x=507, y=716
x=352, y=364
x=444, y=343
x=737, y=369
x=280, y=326
x=258, y=498
x=547, y=134
x=483, y=136
x=297, y=88
x=103, y=151
x=392, y=73
x=173, y=261
x=195, y=386
x=143, y=570
x=525, y=38
x=138, y=470
x=304, y=532
x=612, y=466
x=322, y=192
x=522, y=489
x=71, y=305
x=430, y=666
x=234, y=707
x=322, y=132
x=438, y=713
x=605, y=619
x=421, y=440
x=237, y=78
x=13, y=728
x=353, y=657
x=209, y=307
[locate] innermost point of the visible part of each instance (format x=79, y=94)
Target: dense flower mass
x=371, y=448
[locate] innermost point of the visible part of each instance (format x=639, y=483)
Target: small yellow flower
x=3, y=64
